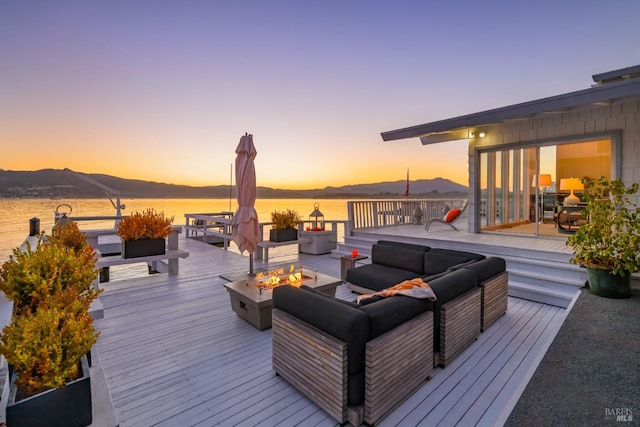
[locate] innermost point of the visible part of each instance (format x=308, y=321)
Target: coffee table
x=254, y=305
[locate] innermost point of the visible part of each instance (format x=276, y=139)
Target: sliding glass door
x=519, y=187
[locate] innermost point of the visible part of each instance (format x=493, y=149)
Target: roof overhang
x=459, y=127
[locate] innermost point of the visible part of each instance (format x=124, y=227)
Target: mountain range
x=63, y=183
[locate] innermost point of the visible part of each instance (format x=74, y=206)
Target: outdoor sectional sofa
x=359, y=361
x=392, y=262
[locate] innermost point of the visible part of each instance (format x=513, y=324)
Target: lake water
x=15, y=213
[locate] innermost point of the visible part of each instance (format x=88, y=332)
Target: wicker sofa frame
x=397, y=363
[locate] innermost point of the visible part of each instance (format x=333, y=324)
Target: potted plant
x=608, y=242
x=285, y=225
x=143, y=233
x=51, y=331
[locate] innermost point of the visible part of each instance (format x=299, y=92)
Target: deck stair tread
x=549, y=276
x=553, y=296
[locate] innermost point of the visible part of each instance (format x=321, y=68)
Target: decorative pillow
x=451, y=215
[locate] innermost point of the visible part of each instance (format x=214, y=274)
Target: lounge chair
x=449, y=217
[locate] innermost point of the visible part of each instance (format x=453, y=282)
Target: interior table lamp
x=571, y=184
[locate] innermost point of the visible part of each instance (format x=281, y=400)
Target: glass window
x=509, y=200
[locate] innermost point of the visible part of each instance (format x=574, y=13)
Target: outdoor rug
x=590, y=375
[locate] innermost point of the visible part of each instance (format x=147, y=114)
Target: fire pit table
x=251, y=298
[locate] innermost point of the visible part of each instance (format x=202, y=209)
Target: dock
x=174, y=353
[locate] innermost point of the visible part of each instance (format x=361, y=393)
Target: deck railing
x=382, y=213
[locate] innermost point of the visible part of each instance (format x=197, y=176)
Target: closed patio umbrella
x=246, y=228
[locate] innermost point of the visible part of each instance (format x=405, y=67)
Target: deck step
x=548, y=276
x=553, y=296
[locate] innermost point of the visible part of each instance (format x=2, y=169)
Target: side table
x=347, y=262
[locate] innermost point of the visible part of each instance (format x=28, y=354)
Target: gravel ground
x=591, y=374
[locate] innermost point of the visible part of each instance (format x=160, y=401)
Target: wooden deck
x=174, y=354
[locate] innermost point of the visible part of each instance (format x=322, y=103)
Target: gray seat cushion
x=487, y=268
x=378, y=277
x=387, y=313
x=398, y=257
x=411, y=246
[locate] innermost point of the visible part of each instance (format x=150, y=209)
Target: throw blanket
x=415, y=288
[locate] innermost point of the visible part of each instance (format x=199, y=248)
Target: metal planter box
x=69, y=406
x=283, y=235
x=143, y=247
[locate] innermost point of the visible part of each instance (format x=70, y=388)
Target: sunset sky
x=163, y=90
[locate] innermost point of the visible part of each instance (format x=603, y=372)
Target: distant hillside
x=55, y=183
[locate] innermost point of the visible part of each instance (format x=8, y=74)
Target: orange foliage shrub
x=146, y=225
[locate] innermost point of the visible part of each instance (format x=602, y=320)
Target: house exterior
x=585, y=134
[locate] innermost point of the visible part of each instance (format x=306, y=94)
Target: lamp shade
x=542, y=180
x=571, y=184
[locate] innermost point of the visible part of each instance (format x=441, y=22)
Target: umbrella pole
x=250, y=263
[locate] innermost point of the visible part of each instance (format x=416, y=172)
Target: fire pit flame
x=278, y=277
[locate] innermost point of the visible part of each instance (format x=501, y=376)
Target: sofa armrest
x=398, y=362
x=493, y=279
x=495, y=297
x=313, y=362
x=334, y=317
x=459, y=325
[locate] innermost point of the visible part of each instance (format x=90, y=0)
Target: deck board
x=174, y=353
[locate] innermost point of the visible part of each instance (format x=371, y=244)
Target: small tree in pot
x=608, y=243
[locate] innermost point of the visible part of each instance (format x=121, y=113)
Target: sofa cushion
x=398, y=257
x=322, y=294
x=439, y=260
x=329, y=315
x=446, y=288
x=339, y=320
x=455, y=252
x=377, y=277
x=387, y=313
x=411, y=246
x=453, y=284
x=487, y=268
x=435, y=263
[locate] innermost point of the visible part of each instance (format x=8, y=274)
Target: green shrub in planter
x=283, y=220
x=69, y=235
x=51, y=329
x=44, y=347
x=610, y=238
x=30, y=277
